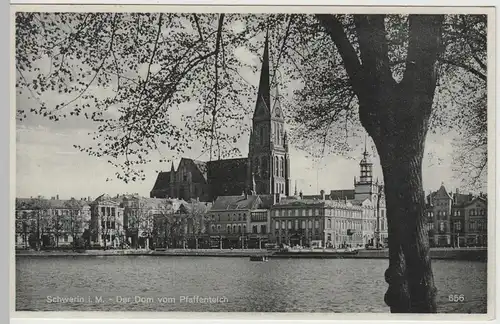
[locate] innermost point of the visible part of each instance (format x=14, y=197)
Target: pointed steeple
x=172, y=169
x=264, y=95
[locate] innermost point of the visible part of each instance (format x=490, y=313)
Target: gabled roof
x=475, y=200
x=236, y=202
x=442, y=193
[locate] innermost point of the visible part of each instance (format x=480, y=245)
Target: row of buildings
x=242, y=221
x=123, y=221
x=247, y=220
x=243, y=203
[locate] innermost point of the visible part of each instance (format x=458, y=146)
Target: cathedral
x=266, y=170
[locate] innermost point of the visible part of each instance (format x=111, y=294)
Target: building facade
x=368, y=194
x=239, y=221
x=266, y=169
x=455, y=219
x=49, y=223
x=317, y=223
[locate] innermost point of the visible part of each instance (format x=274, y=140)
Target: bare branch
x=351, y=61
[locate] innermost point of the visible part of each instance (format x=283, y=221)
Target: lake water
x=148, y=283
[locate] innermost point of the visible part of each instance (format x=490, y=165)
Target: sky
x=47, y=164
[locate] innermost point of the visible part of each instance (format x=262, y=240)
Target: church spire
x=172, y=169
x=264, y=95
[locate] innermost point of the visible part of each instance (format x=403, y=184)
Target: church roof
x=162, y=181
x=229, y=170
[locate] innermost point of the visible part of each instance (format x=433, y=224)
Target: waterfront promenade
x=468, y=254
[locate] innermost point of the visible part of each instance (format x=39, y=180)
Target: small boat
x=263, y=258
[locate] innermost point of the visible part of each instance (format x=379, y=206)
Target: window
x=244, y=228
x=441, y=226
x=239, y=228
x=283, y=225
x=254, y=228
x=239, y=217
x=263, y=229
x=229, y=228
x=244, y=216
x=329, y=223
x=289, y=224
x=218, y=228
x=256, y=166
x=296, y=224
x=276, y=167
x=282, y=167
x=310, y=224
x=213, y=228
x=303, y=224
x=316, y=224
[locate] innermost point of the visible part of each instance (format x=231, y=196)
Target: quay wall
x=465, y=254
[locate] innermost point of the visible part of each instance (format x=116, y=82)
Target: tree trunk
x=401, y=148
x=396, y=115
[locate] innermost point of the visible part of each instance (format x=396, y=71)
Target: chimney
x=345, y=199
x=322, y=193
x=301, y=195
x=57, y=197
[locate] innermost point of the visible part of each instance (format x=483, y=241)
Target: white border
x=243, y=6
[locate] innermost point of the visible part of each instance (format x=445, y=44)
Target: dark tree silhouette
x=378, y=72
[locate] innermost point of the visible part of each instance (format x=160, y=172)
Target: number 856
x=456, y=298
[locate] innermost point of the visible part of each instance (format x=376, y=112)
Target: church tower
x=269, y=161
x=365, y=187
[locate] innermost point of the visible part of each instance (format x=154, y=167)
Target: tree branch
x=424, y=46
x=197, y=22
x=467, y=68
x=373, y=48
x=351, y=61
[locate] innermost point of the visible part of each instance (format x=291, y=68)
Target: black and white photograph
x=253, y=159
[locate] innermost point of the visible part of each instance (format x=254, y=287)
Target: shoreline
x=463, y=254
